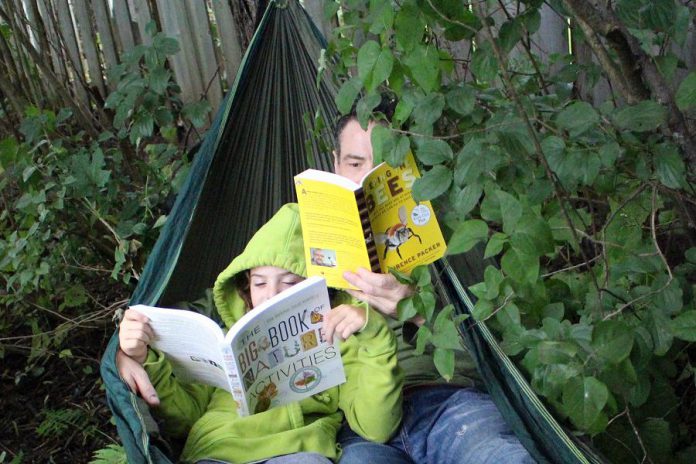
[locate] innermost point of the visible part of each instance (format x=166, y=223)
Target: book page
x=278, y=348
x=191, y=342
x=407, y=234
x=331, y=228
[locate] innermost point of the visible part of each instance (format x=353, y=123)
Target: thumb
x=144, y=387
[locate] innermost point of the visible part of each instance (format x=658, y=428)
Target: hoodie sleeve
x=371, y=396
x=181, y=404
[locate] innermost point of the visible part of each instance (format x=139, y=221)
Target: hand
x=381, y=291
x=344, y=321
x=134, y=334
x=136, y=378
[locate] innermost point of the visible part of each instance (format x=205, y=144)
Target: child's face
x=267, y=281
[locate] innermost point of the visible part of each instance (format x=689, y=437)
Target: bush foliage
x=80, y=212
x=587, y=206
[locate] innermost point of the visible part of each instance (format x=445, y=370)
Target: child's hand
x=134, y=334
x=344, y=321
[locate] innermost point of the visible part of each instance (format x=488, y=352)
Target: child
x=370, y=399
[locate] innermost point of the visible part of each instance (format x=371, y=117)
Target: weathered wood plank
x=140, y=15
x=49, y=21
x=229, y=40
x=171, y=27
x=121, y=18
x=106, y=37
x=205, y=54
x=88, y=44
x=67, y=33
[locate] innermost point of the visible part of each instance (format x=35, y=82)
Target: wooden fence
x=86, y=38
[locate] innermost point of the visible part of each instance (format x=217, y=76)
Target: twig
x=640, y=440
x=565, y=269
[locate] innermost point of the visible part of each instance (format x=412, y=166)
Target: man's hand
x=136, y=378
x=381, y=291
x=134, y=334
x=343, y=320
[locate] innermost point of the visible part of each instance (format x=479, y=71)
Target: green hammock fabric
x=240, y=176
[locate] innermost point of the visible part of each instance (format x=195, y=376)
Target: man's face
x=355, y=158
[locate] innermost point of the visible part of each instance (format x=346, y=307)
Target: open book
x=272, y=356
x=375, y=224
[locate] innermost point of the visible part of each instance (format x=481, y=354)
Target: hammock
x=240, y=176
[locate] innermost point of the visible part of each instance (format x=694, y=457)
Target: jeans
x=294, y=458
x=441, y=425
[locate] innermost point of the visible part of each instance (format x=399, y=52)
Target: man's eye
x=259, y=284
x=354, y=165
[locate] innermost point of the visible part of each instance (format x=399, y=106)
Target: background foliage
x=587, y=207
x=81, y=209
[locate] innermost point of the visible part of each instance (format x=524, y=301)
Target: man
x=442, y=422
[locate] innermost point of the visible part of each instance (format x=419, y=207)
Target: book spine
x=235, y=381
x=367, y=230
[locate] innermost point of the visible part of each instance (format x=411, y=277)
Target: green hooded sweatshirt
x=370, y=399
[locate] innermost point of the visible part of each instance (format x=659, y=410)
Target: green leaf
x=423, y=337
x=467, y=234
x=612, y=341
x=433, y=183
x=423, y=64
x=409, y=26
x=406, y=309
x=577, y=118
x=347, y=94
x=520, y=267
x=510, y=209
x=197, y=112
x=669, y=167
x=686, y=94
x=645, y=116
x=445, y=334
x=381, y=16
x=434, y=151
x=444, y=362
x=374, y=64
x=583, y=400
x=484, y=64
x=508, y=316
x=429, y=109
x=462, y=100
x=467, y=198
x=495, y=244
x=159, y=79
x=397, y=155
x=550, y=352
x=684, y=326
x=493, y=278
x=382, y=139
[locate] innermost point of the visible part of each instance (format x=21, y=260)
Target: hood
x=277, y=243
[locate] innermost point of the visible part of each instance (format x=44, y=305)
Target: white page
x=191, y=342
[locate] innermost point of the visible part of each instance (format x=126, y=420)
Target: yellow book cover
x=376, y=224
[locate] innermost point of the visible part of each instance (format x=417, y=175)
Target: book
x=375, y=224
x=273, y=355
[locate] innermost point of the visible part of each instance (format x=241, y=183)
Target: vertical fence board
x=229, y=39
x=88, y=44
x=67, y=34
x=204, y=52
x=121, y=17
x=49, y=22
x=140, y=15
x=189, y=54
x=108, y=47
x=172, y=27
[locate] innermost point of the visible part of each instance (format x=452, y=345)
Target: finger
x=144, y=387
x=133, y=315
x=357, y=281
